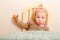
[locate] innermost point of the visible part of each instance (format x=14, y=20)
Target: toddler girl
x=38, y=20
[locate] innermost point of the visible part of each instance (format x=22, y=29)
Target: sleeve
x=20, y=24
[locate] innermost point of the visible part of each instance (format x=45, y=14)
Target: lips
x=40, y=23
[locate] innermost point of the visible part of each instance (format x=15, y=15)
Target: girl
x=38, y=21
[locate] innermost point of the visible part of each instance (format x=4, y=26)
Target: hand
x=15, y=18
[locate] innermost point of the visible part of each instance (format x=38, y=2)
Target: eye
x=42, y=17
x=38, y=17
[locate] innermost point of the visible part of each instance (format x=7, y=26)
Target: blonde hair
x=39, y=8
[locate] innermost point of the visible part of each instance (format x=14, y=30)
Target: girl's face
x=40, y=18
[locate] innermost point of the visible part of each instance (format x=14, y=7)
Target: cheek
x=44, y=20
x=36, y=19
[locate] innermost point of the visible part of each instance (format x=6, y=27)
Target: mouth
x=40, y=23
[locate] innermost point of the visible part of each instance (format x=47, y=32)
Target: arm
x=18, y=23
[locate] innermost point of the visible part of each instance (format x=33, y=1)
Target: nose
x=40, y=19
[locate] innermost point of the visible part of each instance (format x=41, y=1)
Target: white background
x=10, y=7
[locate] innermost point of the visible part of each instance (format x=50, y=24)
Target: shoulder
x=46, y=28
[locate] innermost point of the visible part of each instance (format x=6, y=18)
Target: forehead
x=39, y=13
